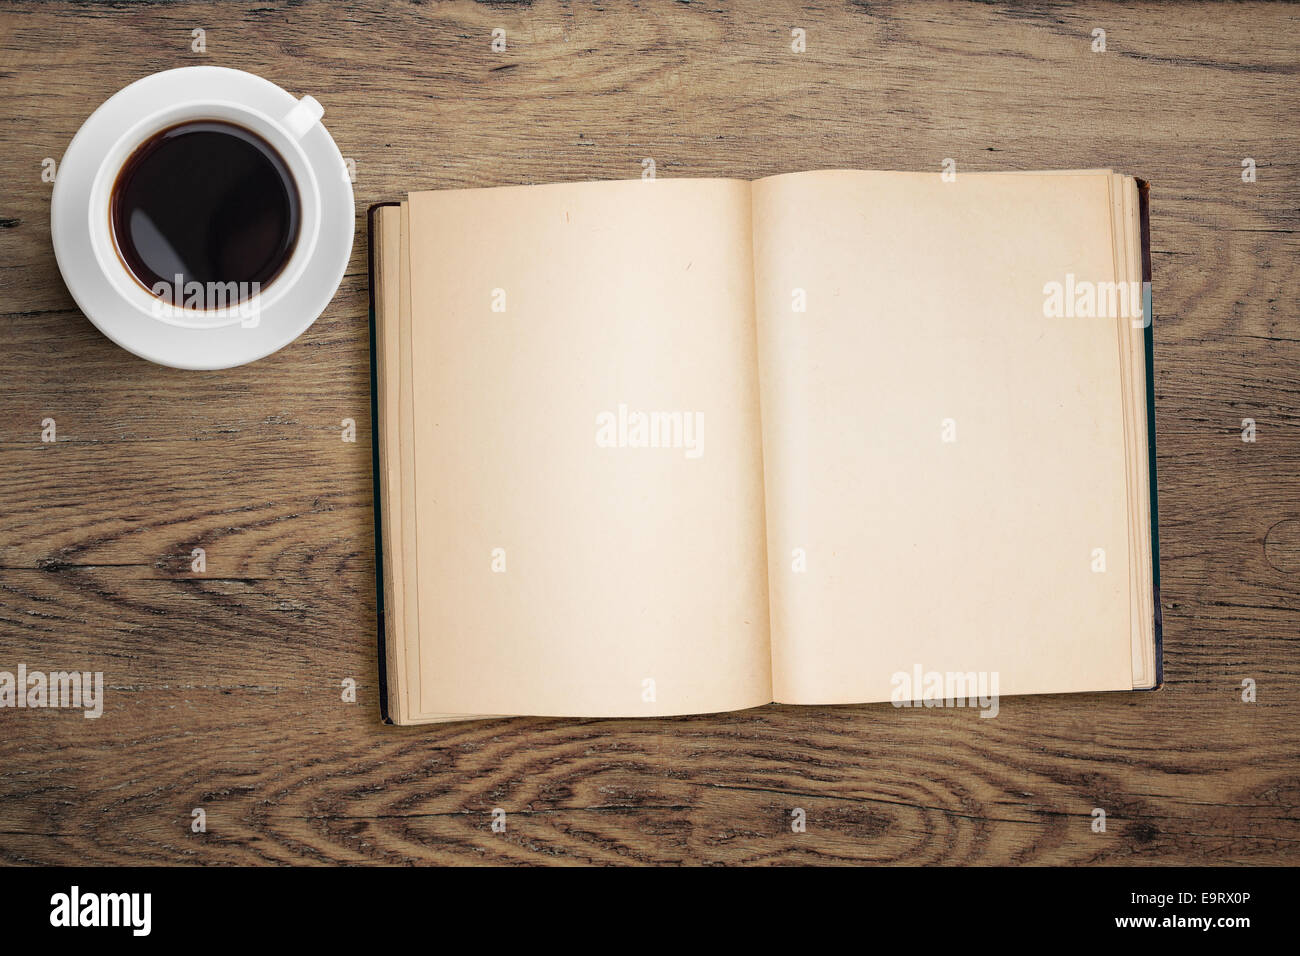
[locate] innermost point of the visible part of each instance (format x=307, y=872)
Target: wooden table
x=224, y=688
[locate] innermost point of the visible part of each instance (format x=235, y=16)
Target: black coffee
x=209, y=201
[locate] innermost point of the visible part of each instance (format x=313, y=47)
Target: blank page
x=944, y=464
x=570, y=563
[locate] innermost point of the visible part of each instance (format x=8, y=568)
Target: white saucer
x=196, y=348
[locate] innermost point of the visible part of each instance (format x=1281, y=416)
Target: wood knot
x=1282, y=545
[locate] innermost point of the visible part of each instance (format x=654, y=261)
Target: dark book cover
x=1148, y=334
x=374, y=467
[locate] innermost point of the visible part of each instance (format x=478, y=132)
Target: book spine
x=1148, y=334
x=374, y=472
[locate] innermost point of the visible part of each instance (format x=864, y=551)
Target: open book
x=685, y=446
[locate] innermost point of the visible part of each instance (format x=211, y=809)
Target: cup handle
x=305, y=114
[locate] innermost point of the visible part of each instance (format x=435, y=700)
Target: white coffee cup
x=283, y=133
x=190, y=336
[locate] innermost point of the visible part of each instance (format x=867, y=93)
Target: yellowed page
x=398, y=417
x=1132, y=331
x=564, y=567
x=941, y=460
x=410, y=564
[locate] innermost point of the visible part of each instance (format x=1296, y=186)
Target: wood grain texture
x=223, y=688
